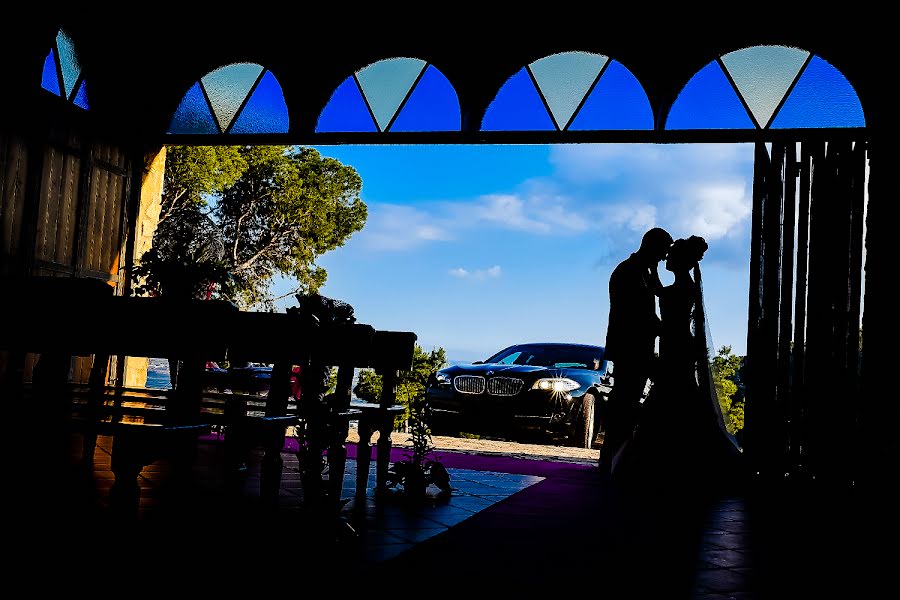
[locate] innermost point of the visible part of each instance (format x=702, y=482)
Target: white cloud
x=478, y=275
x=714, y=210
x=505, y=210
x=611, y=192
x=537, y=213
x=625, y=189
x=392, y=227
x=636, y=216
x=395, y=227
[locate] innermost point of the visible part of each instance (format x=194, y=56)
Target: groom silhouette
x=631, y=332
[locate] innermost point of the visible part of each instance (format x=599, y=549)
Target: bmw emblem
x=490, y=373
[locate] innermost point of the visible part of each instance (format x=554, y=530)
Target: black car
x=245, y=379
x=548, y=391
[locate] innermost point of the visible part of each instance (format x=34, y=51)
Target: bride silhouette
x=681, y=433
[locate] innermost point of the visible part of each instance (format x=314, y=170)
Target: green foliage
x=417, y=471
x=418, y=429
x=185, y=261
x=368, y=386
x=726, y=367
x=234, y=217
x=194, y=172
x=187, y=256
x=411, y=384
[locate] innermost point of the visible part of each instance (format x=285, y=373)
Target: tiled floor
x=386, y=525
x=391, y=528
x=502, y=528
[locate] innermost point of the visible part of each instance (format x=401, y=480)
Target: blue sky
x=475, y=248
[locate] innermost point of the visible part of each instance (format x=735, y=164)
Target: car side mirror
x=478, y=362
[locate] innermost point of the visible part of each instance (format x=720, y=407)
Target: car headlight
x=556, y=384
x=443, y=379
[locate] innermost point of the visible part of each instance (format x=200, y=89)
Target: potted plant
x=412, y=476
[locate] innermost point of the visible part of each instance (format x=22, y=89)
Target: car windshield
x=558, y=356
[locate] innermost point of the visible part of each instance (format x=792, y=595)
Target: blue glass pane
x=193, y=114
x=517, y=107
x=708, y=101
x=81, y=98
x=432, y=106
x=618, y=101
x=346, y=111
x=763, y=75
x=68, y=60
x=265, y=111
x=386, y=83
x=565, y=79
x=49, y=80
x=227, y=88
x=822, y=98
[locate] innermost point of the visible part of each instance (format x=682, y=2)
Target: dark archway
x=133, y=115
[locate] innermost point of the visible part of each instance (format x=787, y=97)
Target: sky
x=478, y=247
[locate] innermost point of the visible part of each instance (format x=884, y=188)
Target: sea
x=158, y=374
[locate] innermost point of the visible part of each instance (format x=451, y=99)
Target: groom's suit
x=630, y=344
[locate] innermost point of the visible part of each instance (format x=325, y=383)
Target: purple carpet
x=478, y=462
x=499, y=463
x=569, y=523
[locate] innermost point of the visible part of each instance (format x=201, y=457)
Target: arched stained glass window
x=570, y=91
x=767, y=87
x=236, y=98
x=62, y=72
x=394, y=94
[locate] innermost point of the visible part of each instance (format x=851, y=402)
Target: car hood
x=488, y=369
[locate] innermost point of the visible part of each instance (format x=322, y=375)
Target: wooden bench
x=288, y=340
x=64, y=318
x=320, y=419
x=254, y=420
x=325, y=418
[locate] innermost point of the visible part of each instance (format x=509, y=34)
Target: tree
x=726, y=368
x=234, y=217
x=187, y=255
x=410, y=385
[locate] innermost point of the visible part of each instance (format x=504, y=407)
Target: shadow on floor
x=511, y=525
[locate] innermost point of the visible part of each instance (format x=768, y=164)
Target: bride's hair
x=688, y=251
x=696, y=248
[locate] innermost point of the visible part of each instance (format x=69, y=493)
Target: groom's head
x=655, y=245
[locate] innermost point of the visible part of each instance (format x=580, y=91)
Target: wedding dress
x=681, y=433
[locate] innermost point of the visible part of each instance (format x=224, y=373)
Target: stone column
x=147, y=219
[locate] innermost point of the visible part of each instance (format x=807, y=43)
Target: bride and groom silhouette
x=677, y=429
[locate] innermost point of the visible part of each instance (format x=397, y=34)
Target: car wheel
x=586, y=425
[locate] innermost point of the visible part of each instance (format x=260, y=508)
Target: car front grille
x=504, y=386
x=469, y=384
x=496, y=386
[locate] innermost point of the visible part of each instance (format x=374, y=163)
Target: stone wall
x=148, y=217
